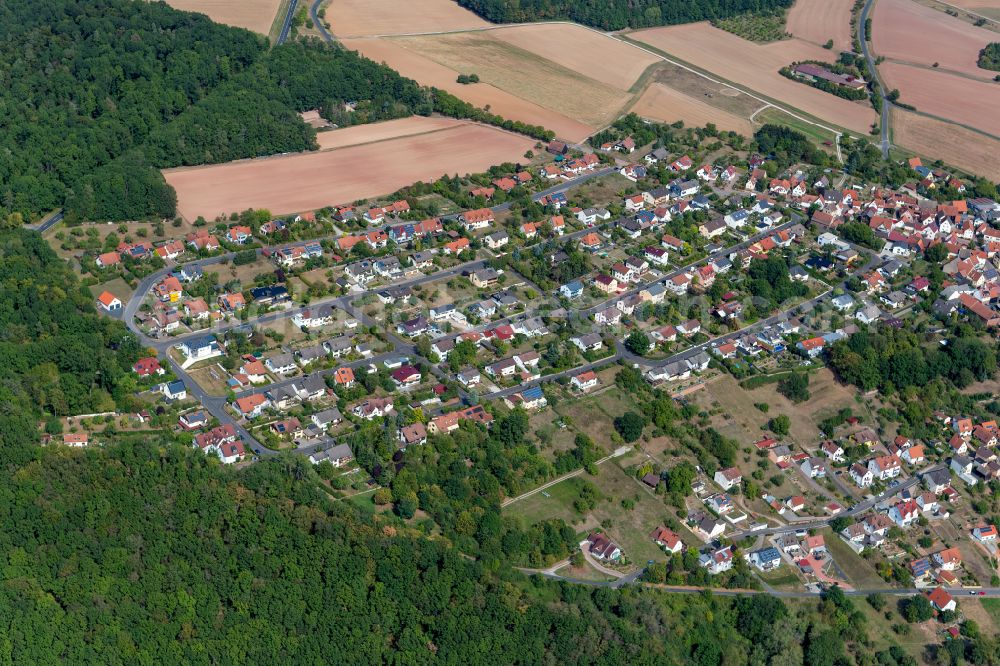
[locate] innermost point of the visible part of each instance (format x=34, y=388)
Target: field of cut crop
x=255, y=15
x=668, y=105
x=428, y=72
x=754, y=67
x=956, y=145
x=365, y=18
x=390, y=129
x=579, y=49
x=307, y=181
x=947, y=96
x=909, y=32
x=987, y=8
x=818, y=21
x=523, y=74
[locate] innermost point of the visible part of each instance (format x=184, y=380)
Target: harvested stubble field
x=255, y=15
x=665, y=104
x=755, y=67
x=910, y=32
x=365, y=18
x=523, y=74
x=308, y=181
x=818, y=21
x=579, y=49
x=947, y=96
x=428, y=72
x=988, y=8
x=955, y=145
x=390, y=129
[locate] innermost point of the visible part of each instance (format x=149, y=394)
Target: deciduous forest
x=618, y=14
x=97, y=95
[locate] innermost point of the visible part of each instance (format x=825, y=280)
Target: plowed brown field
x=818, y=21
x=596, y=55
x=955, y=145
x=256, y=15
x=948, y=96
x=364, y=18
x=910, y=32
x=668, y=105
x=430, y=73
x=307, y=181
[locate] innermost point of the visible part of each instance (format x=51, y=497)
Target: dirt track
x=755, y=68
x=307, y=181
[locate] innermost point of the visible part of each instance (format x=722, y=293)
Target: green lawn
x=859, y=572
x=553, y=502
x=992, y=607
x=629, y=527
x=783, y=576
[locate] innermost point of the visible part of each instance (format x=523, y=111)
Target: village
x=269, y=335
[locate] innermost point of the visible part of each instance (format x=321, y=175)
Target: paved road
x=886, y=104
x=857, y=509
x=216, y=405
x=286, y=27
x=318, y=22
x=633, y=578
x=49, y=222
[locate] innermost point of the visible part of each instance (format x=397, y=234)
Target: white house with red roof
x=109, y=302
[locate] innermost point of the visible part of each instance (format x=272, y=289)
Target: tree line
x=619, y=14
x=101, y=94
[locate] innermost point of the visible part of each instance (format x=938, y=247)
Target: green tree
x=780, y=425
x=629, y=425
x=637, y=342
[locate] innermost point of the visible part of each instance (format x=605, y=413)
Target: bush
x=795, y=387
x=780, y=425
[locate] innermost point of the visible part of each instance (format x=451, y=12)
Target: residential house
x=727, y=478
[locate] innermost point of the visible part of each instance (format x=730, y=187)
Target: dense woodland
x=98, y=94
x=618, y=14
x=891, y=359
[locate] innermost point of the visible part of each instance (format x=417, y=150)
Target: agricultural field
x=307, y=181
x=255, y=15
x=986, y=8
x=522, y=73
x=897, y=25
x=429, y=72
x=947, y=96
x=958, y=146
x=818, y=21
x=668, y=105
x=755, y=67
x=580, y=49
x=366, y=18
x=389, y=129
